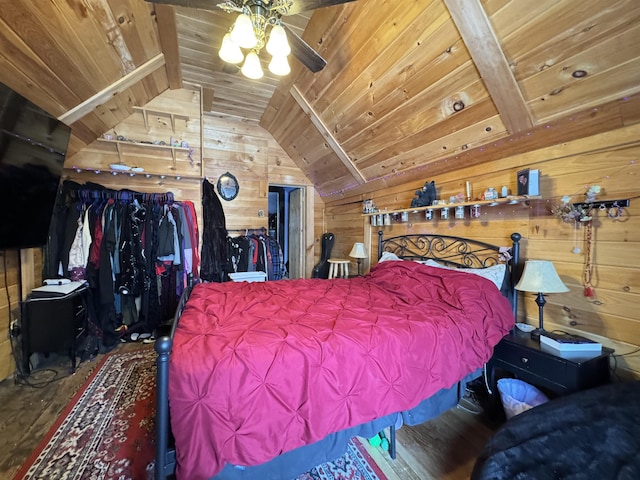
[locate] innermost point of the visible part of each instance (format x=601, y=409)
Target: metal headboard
x=456, y=252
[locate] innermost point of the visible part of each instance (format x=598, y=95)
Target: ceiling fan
x=264, y=13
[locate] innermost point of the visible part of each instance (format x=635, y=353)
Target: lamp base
x=535, y=334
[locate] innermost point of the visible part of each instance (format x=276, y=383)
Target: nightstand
x=53, y=322
x=523, y=357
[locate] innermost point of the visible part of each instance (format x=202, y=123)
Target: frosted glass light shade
x=279, y=66
x=252, y=68
x=242, y=33
x=277, y=44
x=358, y=251
x=540, y=276
x=229, y=51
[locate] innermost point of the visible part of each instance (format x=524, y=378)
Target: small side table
x=523, y=357
x=54, y=318
x=338, y=267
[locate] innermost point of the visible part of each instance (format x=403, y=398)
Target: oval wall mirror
x=228, y=186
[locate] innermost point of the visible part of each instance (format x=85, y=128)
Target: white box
x=571, y=344
x=534, y=183
x=248, y=276
x=577, y=356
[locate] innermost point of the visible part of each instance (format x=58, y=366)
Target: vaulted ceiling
x=407, y=83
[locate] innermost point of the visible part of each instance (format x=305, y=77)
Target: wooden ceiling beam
x=109, y=92
x=483, y=45
x=168, y=33
x=326, y=134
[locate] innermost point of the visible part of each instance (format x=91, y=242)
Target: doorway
x=286, y=225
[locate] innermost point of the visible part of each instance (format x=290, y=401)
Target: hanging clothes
x=214, y=236
x=110, y=238
x=256, y=253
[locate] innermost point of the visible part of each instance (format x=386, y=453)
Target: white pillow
x=494, y=273
x=387, y=256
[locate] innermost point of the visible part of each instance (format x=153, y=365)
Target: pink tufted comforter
x=258, y=369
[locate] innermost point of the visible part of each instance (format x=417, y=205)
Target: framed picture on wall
x=528, y=182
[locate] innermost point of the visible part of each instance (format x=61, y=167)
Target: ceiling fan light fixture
x=230, y=51
x=242, y=33
x=278, y=44
x=251, y=67
x=279, y=65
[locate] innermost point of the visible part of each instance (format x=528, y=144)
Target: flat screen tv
x=33, y=145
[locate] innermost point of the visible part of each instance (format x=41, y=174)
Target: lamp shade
x=278, y=46
x=242, y=33
x=251, y=67
x=540, y=276
x=229, y=51
x=279, y=66
x=358, y=251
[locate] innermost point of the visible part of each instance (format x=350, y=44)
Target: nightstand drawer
x=521, y=356
x=552, y=368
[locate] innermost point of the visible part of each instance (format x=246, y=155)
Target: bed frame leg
x=163, y=348
x=392, y=442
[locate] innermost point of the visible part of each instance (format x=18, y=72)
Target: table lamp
x=359, y=253
x=540, y=276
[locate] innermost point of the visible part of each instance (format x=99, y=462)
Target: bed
x=586, y=435
x=266, y=380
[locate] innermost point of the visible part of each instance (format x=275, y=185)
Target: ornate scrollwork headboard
x=456, y=252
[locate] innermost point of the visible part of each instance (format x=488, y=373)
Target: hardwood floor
x=442, y=449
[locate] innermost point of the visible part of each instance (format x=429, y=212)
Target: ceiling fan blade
x=303, y=52
x=305, y=5
x=202, y=4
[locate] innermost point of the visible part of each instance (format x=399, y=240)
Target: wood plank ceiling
x=410, y=88
x=392, y=93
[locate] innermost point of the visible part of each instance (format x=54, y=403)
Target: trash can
x=518, y=396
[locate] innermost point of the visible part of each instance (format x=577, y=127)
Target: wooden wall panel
x=249, y=152
x=20, y=271
x=10, y=287
x=607, y=159
x=162, y=173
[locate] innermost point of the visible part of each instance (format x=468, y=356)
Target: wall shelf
x=130, y=173
x=509, y=200
x=120, y=143
x=150, y=111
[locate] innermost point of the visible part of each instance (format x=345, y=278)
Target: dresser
x=53, y=321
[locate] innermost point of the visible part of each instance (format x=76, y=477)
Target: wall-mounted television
x=33, y=146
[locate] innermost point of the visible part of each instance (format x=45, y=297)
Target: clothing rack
x=249, y=231
x=125, y=195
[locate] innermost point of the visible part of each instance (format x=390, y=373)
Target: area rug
x=107, y=431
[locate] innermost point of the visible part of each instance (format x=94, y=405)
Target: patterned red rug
x=107, y=431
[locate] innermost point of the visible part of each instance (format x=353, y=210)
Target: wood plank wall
x=156, y=162
x=610, y=160
x=230, y=144
x=20, y=271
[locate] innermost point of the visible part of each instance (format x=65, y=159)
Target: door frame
x=307, y=233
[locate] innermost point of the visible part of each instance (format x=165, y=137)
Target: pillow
x=494, y=273
x=388, y=256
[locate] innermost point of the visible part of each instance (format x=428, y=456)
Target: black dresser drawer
x=539, y=363
x=523, y=357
